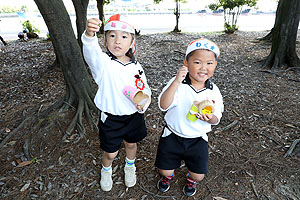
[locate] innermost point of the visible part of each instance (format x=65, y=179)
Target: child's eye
x=197, y=62
x=125, y=36
x=112, y=36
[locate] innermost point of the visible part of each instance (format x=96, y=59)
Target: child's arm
x=92, y=26
x=91, y=50
x=168, y=96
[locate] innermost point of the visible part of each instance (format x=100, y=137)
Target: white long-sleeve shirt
x=183, y=100
x=112, y=76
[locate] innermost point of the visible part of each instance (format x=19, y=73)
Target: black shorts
x=172, y=149
x=115, y=129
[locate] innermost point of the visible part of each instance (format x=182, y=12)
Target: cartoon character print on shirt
x=139, y=82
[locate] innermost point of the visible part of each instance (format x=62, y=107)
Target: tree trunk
x=177, y=14
x=268, y=37
x=79, y=88
x=284, y=35
x=100, y=6
x=81, y=11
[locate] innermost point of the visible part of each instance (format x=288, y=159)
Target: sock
x=189, y=178
x=106, y=168
x=171, y=177
x=129, y=163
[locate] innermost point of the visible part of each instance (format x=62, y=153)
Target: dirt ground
x=248, y=151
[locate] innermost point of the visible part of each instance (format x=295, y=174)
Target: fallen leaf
x=290, y=125
x=22, y=164
x=25, y=187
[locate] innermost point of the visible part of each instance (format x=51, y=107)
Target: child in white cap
x=120, y=121
x=183, y=139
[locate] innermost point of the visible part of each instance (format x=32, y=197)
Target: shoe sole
x=106, y=189
x=188, y=195
x=130, y=184
x=160, y=189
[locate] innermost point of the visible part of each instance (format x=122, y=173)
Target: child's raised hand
x=181, y=74
x=92, y=26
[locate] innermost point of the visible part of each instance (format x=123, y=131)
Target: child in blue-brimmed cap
x=193, y=103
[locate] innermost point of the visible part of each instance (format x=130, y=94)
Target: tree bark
x=81, y=12
x=79, y=88
x=177, y=14
x=283, y=52
x=100, y=6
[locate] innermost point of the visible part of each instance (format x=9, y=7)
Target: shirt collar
x=113, y=57
x=187, y=80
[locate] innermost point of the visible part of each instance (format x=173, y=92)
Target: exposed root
x=14, y=131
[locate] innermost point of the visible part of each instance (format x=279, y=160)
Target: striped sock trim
x=189, y=178
x=106, y=168
x=129, y=162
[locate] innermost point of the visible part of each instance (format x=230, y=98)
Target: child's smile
x=201, y=66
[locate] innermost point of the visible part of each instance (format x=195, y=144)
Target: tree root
x=14, y=131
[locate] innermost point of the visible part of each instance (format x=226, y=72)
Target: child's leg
x=196, y=177
x=129, y=169
x=130, y=149
x=164, y=183
x=108, y=158
x=106, y=171
x=191, y=179
x=163, y=172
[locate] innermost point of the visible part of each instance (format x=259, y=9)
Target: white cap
x=116, y=23
x=203, y=44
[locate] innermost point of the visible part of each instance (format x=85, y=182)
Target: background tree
x=81, y=11
x=268, y=37
x=232, y=10
x=176, y=12
x=100, y=6
x=284, y=35
x=79, y=88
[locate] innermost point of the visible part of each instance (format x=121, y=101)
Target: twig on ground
x=234, y=123
x=270, y=138
x=155, y=195
x=291, y=149
x=254, y=190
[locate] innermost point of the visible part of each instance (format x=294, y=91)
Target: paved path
x=154, y=23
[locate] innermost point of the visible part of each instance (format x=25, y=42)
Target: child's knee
x=196, y=177
x=164, y=172
x=130, y=145
x=110, y=156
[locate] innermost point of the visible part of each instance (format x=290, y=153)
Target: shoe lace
x=106, y=176
x=190, y=184
x=129, y=171
x=166, y=179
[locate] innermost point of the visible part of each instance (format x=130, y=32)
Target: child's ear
x=185, y=62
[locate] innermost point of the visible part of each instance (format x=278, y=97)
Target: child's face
x=201, y=66
x=118, y=43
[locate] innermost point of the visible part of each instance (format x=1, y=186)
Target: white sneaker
x=130, y=177
x=106, y=180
